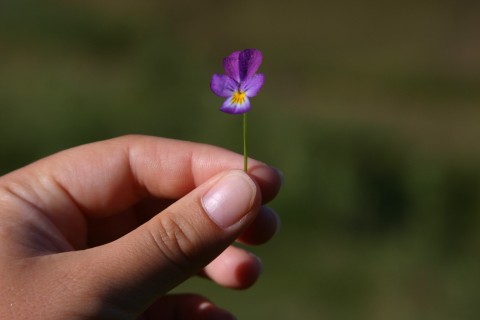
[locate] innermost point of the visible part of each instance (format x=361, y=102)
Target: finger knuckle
x=175, y=240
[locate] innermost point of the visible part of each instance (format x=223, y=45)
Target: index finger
x=105, y=177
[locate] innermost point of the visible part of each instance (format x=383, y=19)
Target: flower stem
x=245, y=151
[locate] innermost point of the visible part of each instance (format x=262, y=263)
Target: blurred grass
x=370, y=108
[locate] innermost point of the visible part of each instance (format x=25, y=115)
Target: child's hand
x=105, y=230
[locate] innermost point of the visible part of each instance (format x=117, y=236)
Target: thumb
x=175, y=244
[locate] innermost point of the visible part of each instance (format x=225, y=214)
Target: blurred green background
x=370, y=108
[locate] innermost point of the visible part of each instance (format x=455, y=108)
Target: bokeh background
x=371, y=109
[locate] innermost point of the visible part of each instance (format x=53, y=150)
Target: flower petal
x=249, y=61
x=231, y=66
x=252, y=85
x=222, y=85
x=235, y=108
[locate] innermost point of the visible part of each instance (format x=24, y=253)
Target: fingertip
x=209, y=311
x=248, y=273
x=265, y=226
x=235, y=268
x=219, y=314
x=281, y=175
x=269, y=179
x=185, y=307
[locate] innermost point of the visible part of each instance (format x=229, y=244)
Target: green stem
x=245, y=151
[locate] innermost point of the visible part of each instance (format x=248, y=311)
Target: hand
x=106, y=230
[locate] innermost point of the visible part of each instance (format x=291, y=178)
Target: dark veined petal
x=222, y=85
x=232, y=107
x=231, y=66
x=252, y=85
x=249, y=61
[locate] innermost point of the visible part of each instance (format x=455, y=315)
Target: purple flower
x=240, y=81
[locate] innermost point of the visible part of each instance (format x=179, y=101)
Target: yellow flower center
x=239, y=97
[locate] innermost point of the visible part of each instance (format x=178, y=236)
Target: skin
x=106, y=230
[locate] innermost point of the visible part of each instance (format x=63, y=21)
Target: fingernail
x=230, y=199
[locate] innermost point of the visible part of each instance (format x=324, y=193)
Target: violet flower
x=240, y=81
